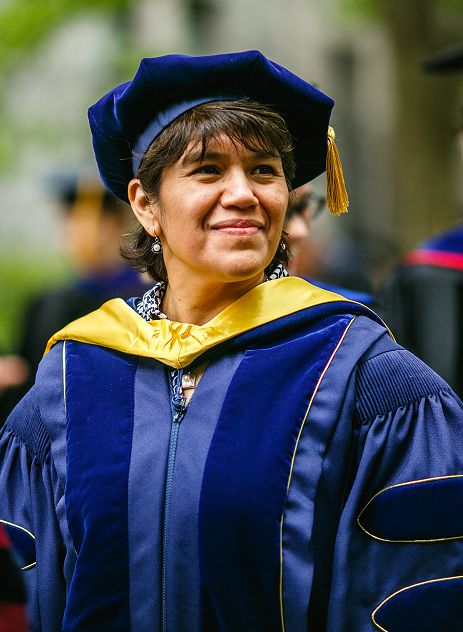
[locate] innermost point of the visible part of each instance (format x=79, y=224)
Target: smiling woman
x=199, y=458
x=247, y=125
x=219, y=216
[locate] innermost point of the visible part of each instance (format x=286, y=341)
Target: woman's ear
x=145, y=211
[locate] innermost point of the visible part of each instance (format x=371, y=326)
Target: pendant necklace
x=189, y=380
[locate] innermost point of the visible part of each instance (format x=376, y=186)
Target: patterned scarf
x=149, y=305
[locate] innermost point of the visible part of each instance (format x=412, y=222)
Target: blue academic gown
x=314, y=483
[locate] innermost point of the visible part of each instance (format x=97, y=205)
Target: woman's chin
x=242, y=270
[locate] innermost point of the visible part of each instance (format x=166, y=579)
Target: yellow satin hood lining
x=117, y=326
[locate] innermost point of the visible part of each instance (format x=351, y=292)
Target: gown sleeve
x=398, y=560
x=32, y=510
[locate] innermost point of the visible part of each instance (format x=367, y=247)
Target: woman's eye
x=207, y=169
x=264, y=170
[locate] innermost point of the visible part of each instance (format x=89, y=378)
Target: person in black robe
x=94, y=221
x=422, y=298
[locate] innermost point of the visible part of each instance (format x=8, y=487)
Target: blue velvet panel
x=246, y=476
x=435, y=606
x=23, y=544
x=100, y=405
x=427, y=510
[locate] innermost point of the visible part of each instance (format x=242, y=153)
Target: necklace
x=189, y=380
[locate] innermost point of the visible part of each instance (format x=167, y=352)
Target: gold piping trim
x=429, y=581
x=317, y=386
x=64, y=377
x=422, y=480
x=65, y=400
x=18, y=526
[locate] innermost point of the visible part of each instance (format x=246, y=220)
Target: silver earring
x=156, y=246
x=282, y=245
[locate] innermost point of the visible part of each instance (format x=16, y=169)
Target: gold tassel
x=336, y=193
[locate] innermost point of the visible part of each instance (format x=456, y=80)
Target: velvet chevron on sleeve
x=404, y=559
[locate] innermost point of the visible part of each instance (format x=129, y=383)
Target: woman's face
x=220, y=216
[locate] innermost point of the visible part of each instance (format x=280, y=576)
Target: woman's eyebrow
x=198, y=156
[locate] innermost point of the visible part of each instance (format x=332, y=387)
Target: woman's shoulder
x=39, y=418
x=388, y=378
x=25, y=425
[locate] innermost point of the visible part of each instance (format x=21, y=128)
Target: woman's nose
x=238, y=191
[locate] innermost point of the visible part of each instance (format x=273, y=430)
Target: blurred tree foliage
x=24, y=26
x=375, y=9
x=25, y=23
x=425, y=110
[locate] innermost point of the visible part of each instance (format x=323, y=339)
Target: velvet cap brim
x=119, y=120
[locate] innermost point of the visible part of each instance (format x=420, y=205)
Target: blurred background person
x=422, y=298
x=304, y=207
x=93, y=224
x=14, y=371
x=310, y=258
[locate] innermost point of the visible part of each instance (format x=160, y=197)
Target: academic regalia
x=313, y=483
x=422, y=301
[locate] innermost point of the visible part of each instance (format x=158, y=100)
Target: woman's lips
x=238, y=227
x=238, y=230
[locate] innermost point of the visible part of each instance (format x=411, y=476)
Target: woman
x=236, y=450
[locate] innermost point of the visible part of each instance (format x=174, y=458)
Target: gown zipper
x=178, y=412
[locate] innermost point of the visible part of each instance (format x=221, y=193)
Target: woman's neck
x=197, y=303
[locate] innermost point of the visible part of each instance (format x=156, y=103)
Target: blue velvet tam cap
x=126, y=120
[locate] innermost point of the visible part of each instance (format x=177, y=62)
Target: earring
x=156, y=246
x=282, y=245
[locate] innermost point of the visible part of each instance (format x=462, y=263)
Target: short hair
x=253, y=125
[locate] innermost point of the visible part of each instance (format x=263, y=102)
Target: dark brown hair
x=255, y=126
